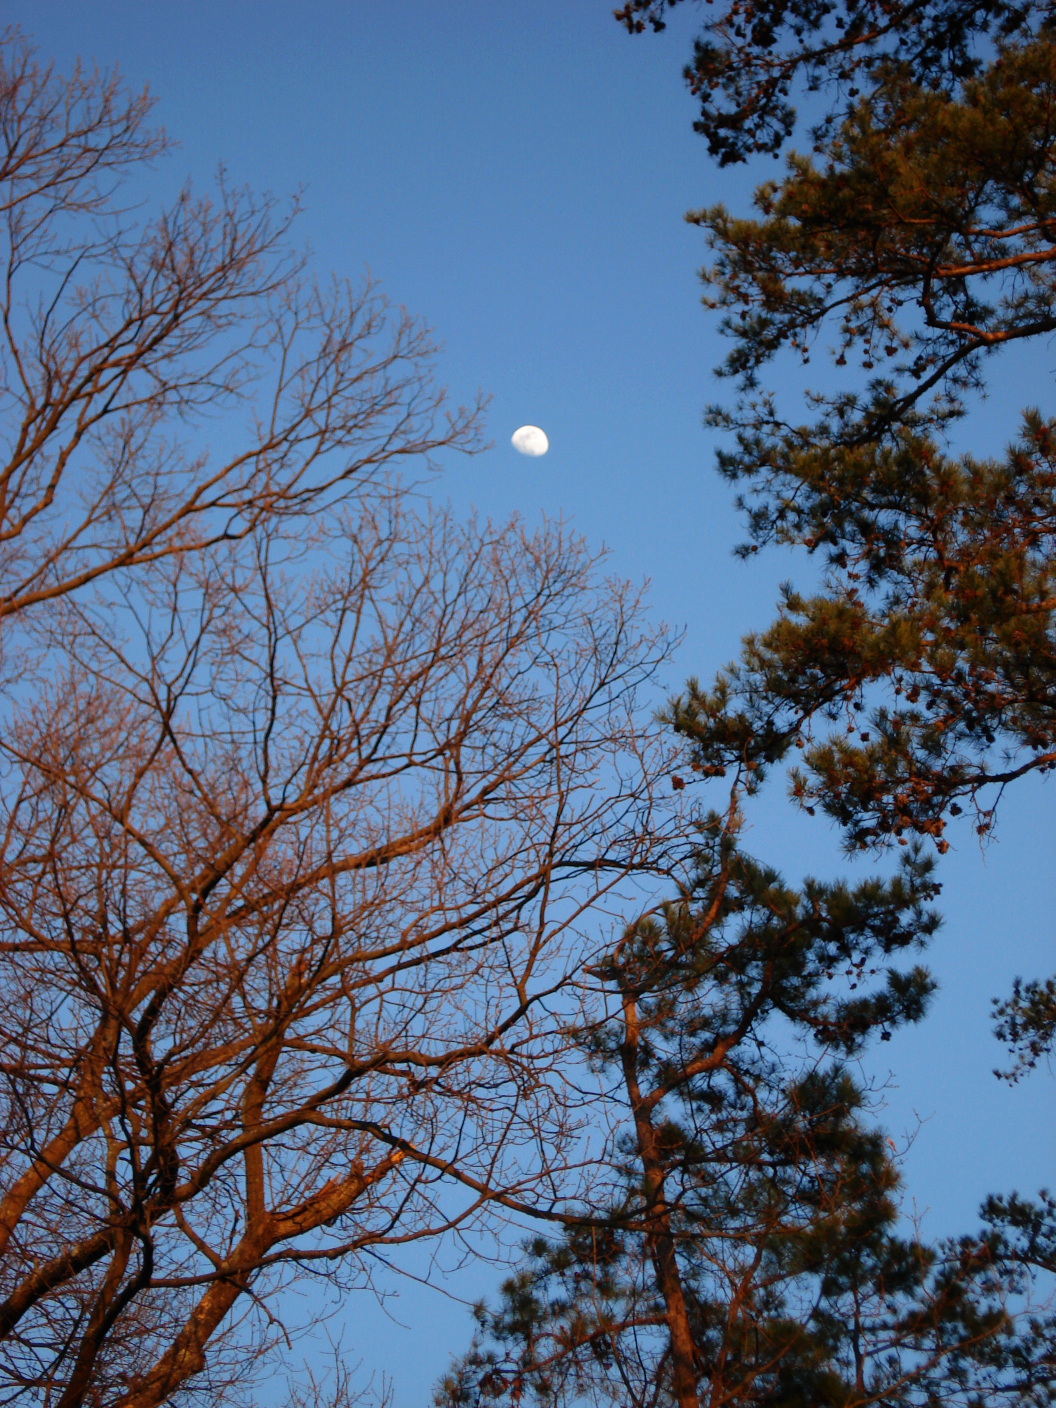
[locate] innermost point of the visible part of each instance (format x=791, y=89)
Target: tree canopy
x=320, y=811
x=915, y=243
x=917, y=236
x=753, y=57
x=747, y=1247
x=308, y=792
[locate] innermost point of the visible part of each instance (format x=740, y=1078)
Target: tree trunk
x=660, y=1241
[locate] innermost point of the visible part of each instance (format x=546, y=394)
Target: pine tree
x=753, y=55
x=915, y=684
x=919, y=680
x=746, y=1251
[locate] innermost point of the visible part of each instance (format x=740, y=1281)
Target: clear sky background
x=515, y=172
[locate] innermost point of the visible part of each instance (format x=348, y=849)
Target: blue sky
x=516, y=174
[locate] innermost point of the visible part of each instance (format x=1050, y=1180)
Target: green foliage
x=925, y=239
x=755, y=1158
x=739, y=1136
x=1027, y=1022
x=743, y=948
x=1023, y=1231
x=748, y=1234
x=940, y=593
x=752, y=55
x=918, y=681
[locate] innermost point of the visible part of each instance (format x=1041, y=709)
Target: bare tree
x=299, y=851
x=126, y=334
x=311, y=800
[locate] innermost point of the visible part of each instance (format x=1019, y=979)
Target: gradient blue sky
x=515, y=171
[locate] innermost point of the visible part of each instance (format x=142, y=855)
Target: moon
x=530, y=440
